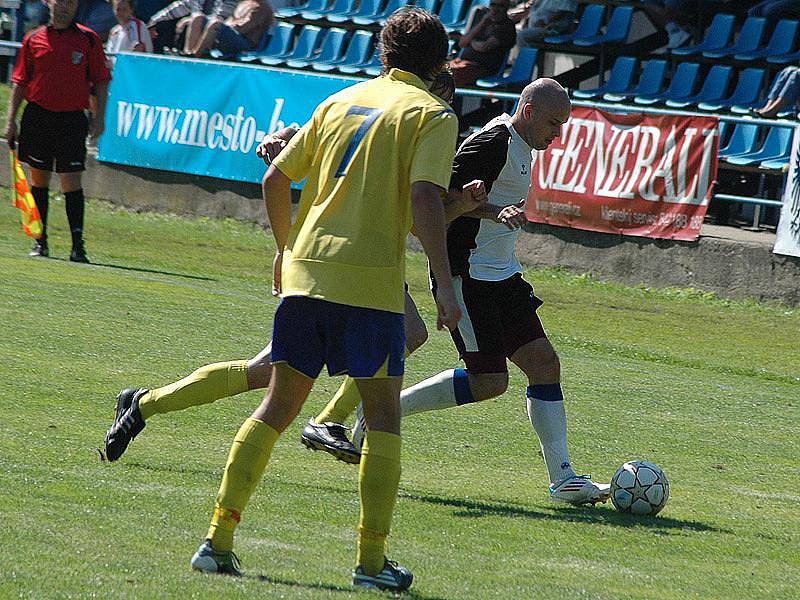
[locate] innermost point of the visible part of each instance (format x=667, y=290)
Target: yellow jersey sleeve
x=436, y=145
x=297, y=158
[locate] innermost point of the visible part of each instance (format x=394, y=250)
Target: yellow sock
x=205, y=385
x=378, y=479
x=342, y=404
x=247, y=460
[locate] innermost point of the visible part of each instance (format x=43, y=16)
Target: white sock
x=447, y=389
x=550, y=422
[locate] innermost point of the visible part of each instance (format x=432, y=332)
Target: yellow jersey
x=361, y=151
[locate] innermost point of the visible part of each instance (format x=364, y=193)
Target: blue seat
x=332, y=49
x=451, y=12
x=461, y=24
x=749, y=39
x=365, y=9
x=682, y=84
x=717, y=36
x=650, y=82
x=588, y=26
x=778, y=145
x=311, y=5
x=713, y=89
x=746, y=93
x=619, y=25
x=520, y=74
x=304, y=49
x=381, y=17
x=429, y=5
x=357, y=53
x=781, y=42
x=373, y=61
x=339, y=7
x=783, y=59
x=778, y=164
x=743, y=140
x=279, y=43
x=618, y=81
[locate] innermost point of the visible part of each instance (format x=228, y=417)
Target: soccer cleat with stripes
x=330, y=438
x=128, y=423
x=393, y=578
x=208, y=560
x=579, y=489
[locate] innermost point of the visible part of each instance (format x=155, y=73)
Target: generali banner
x=648, y=176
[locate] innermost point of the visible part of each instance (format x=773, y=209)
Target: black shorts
x=498, y=318
x=48, y=138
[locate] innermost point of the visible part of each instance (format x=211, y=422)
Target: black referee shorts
x=497, y=319
x=48, y=138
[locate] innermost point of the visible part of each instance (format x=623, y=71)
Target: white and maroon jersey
x=480, y=248
x=124, y=38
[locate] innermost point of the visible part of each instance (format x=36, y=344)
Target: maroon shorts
x=498, y=318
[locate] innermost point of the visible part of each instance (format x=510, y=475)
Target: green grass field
x=706, y=388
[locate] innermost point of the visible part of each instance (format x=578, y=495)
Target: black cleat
x=78, y=253
x=40, y=249
x=393, y=578
x=331, y=438
x=128, y=423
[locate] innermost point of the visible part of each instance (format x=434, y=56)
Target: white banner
x=788, y=239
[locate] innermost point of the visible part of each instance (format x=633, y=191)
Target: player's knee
x=485, y=386
x=259, y=372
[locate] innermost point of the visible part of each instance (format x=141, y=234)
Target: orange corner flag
x=22, y=198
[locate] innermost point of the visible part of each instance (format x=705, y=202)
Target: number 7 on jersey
x=372, y=115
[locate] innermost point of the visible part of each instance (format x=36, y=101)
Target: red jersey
x=59, y=66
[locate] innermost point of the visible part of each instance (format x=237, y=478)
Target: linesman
x=57, y=67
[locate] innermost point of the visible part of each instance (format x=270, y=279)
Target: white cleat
x=579, y=489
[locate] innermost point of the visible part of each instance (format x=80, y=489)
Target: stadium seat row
x=743, y=150
x=712, y=94
x=780, y=49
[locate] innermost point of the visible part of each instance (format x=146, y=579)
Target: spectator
x=775, y=10
x=56, y=67
x=97, y=15
x=783, y=95
x=545, y=17
x=130, y=35
x=485, y=45
x=168, y=24
x=238, y=33
x=675, y=16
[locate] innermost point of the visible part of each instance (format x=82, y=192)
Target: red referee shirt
x=58, y=66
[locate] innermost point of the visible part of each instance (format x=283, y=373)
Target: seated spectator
x=676, y=17
x=168, y=24
x=97, y=15
x=130, y=35
x=775, y=10
x=783, y=95
x=485, y=45
x=545, y=17
x=238, y=33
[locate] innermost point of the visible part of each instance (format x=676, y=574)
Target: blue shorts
x=360, y=342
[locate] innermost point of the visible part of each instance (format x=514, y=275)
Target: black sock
x=75, y=202
x=40, y=196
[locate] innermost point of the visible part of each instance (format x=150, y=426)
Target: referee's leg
x=40, y=190
x=75, y=204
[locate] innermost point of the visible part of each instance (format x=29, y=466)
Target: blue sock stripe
x=549, y=392
x=461, y=387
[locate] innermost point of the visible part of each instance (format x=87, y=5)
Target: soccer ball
x=639, y=487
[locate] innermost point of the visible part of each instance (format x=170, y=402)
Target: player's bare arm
x=277, y=190
x=273, y=143
x=14, y=102
x=470, y=198
x=429, y=224
x=512, y=215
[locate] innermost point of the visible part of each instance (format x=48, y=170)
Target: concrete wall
x=731, y=262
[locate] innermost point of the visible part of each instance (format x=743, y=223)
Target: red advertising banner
x=642, y=175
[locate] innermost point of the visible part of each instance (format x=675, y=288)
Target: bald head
x=542, y=109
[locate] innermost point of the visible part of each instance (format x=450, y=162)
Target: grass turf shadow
x=141, y=270
x=583, y=514
x=411, y=594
